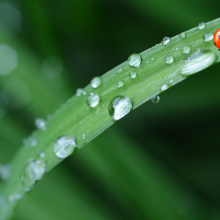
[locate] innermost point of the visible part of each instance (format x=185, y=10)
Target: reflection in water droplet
x=119, y=106
x=198, y=61
x=155, y=99
x=8, y=59
x=96, y=82
x=133, y=75
x=5, y=171
x=64, y=146
x=201, y=25
x=186, y=49
x=169, y=59
x=134, y=60
x=93, y=100
x=120, y=70
x=164, y=87
x=165, y=40
x=33, y=171
x=40, y=123
x=120, y=83
x=208, y=37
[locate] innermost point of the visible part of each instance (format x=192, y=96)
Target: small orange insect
x=216, y=39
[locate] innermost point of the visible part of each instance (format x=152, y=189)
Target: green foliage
x=152, y=164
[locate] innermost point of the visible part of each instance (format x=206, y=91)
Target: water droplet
x=134, y=60
x=208, y=37
x=155, y=99
x=152, y=58
x=32, y=141
x=177, y=48
x=164, y=87
x=183, y=35
x=120, y=83
x=96, y=82
x=5, y=171
x=133, y=75
x=171, y=80
x=79, y=92
x=15, y=197
x=41, y=154
x=40, y=124
x=32, y=172
x=93, y=100
x=201, y=25
x=186, y=49
x=64, y=146
x=119, y=106
x=120, y=70
x=84, y=92
x=198, y=61
x=83, y=136
x=165, y=40
x=169, y=59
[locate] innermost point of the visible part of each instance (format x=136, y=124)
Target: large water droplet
x=96, y=82
x=201, y=25
x=208, y=37
x=119, y=106
x=165, y=40
x=64, y=146
x=133, y=75
x=198, y=61
x=40, y=124
x=93, y=100
x=169, y=59
x=32, y=172
x=155, y=99
x=134, y=60
x=186, y=49
x=5, y=171
x=120, y=83
x=164, y=87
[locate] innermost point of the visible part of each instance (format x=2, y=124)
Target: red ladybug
x=216, y=39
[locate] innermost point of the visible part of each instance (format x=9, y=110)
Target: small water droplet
x=93, y=100
x=201, y=25
x=198, y=61
x=133, y=75
x=84, y=92
x=5, y=171
x=177, y=48
x=120, y=70
x=164, y=87
x=79, y=92
x=32, y=172
x=41, y=154
x=119, y=106
x=183, y=35
x=120, y=83
x=171, y=80
x=208, y=37
x=155, y=99
x=186, y=49
x=169, y=59
x=83, y=136
x=134, y=60
x=165, y=40
x=152, y=58
x=40, y=124
x=15, y=197
x=96, y=82
x=64, y=146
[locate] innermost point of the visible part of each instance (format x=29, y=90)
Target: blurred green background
x=159, y=162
